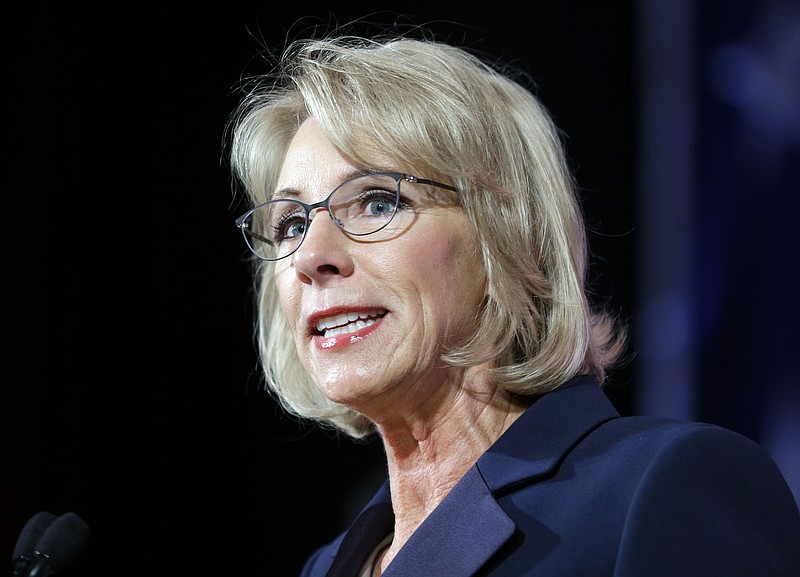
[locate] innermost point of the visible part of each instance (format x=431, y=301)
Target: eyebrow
x=295, y=192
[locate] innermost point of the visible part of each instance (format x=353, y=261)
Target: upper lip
x=316, y=320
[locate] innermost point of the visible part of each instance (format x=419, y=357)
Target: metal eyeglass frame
x=241, y=222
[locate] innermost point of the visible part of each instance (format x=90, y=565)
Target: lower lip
x=339, y=341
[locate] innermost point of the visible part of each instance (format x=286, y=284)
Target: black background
x=130, y=392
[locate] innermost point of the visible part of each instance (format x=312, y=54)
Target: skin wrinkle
x=424, y=467
x=435, y=420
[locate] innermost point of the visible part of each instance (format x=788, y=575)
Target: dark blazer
x=573, y=489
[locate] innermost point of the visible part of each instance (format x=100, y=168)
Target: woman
x=421, y=264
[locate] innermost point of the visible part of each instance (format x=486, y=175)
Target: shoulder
x=663, y=455
x=658, y=497
x=671, y=434
x=681, y=443
x=699, y=488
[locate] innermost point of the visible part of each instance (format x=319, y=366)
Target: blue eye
x=293, y=229
x=288, y=226
x=378, y=203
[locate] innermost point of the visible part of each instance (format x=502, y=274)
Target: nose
x=323, y=254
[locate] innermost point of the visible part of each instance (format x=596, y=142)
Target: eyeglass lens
x=360, y=206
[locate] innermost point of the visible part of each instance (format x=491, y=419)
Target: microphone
x=26, y=542
x=59, y=545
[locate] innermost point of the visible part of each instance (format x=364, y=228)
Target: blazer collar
x=374, y=523
x=469, y=526
x=542, y=435
x=459, y=536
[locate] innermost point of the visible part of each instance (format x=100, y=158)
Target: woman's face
x=406, y=298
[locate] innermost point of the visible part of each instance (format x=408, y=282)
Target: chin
x=357, y=398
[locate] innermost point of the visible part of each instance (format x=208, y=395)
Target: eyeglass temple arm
x=252, y=234
x=431, y=182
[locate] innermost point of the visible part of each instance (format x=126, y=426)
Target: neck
x=427, y=455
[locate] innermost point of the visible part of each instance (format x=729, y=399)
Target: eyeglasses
x=360, y=206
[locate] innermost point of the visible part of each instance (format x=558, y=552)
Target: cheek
x=289, y=298
x=453, y=267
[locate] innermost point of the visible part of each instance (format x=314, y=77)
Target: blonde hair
x=444, y=113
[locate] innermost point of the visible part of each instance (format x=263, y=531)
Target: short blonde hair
x=443, y=113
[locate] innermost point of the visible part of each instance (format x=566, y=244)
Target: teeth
x=348, y=322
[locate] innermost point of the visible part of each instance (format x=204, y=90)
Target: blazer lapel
x=367, y=531
x=459, y=536
x=469, y=526
x=537, y=442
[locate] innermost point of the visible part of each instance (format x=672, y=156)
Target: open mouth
x=347, y=323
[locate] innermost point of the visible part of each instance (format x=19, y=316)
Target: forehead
x=310, y=157
x=312, y=161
